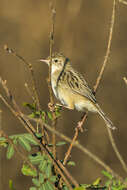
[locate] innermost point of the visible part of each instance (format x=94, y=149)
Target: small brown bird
x=71, y=89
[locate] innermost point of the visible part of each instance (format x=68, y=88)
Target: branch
x=123, y=1
x=29, y=91
x=108, y=47
x=119, y=156
x=79, y=146
x=25, y=122
x=21, y=155
x=53, y=16
x=80, y=123
x=29, y=65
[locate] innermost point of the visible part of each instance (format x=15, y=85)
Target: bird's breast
x=54, y=78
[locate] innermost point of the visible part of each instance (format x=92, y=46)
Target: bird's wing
x=75, y=81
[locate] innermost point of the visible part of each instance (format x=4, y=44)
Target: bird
x=71, y=88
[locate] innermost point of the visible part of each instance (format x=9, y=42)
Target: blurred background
x=81, y=33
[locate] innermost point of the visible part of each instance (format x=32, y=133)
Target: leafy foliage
x=40, y=168
x=11, y=186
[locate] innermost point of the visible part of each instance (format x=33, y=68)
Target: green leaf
x=43, y=166
x=3, y=139
x=33, y=188
x=79, y=188
x=43, y=187
x=107, y=174
x=30, y=139
x=43, y=114
x=11, y=187
x=4, y=144
x=15, y=141
x=50, y=145
x=53, y=179
x=71, y=163
x=108, y=183
x=10, y=151
x=38, y=135
x=24, y=143
x=28, y=171
x=60, y=143
x=48, y=170
x=30, y=106
x=36, y=182
x=50, y=115
x=36, y=159
x=41, y=178
x=85, y=186
x=97, y=181
x=65, y=187
x=49, y=186
x=57, y=113
x=58, y=107
x=32, y=115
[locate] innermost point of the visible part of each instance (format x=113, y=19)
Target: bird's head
x=58, y=61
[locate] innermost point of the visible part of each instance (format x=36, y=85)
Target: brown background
x=81, y=33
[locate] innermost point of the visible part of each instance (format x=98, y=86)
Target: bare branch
x=108, y=47
x=119, y=156
x=29, y=65
x=53, y=16
x=98, y=78
x=28, y=126
x=123, y=1
x=29, y=91
x=79, y=146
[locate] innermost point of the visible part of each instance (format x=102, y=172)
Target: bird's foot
x=51, y=107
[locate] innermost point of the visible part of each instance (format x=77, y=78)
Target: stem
x=11, y=51
x=53, y=15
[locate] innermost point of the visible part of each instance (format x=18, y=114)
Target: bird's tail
x=106, y=119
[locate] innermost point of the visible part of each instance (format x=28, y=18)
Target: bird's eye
x=56, y=60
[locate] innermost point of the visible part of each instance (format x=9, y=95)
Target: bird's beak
x=45, y=60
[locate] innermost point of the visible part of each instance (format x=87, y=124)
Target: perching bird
x=71, y=89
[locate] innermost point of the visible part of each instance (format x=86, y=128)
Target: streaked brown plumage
x=71, y=89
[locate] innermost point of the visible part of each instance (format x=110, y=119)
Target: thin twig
x=111, y=138
x=68, y=153
x=79, y=146
x=108, y=47
x=29, y=91
x=21, y=155
x=11, y=51
x=53, y=15
x=18, y=114
x=68, y=174
x=15, y=111
x=77, y=129
x=123, y=1
x=24, y=122
x=119, y=156
x=97, y=84
x=99, y=76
